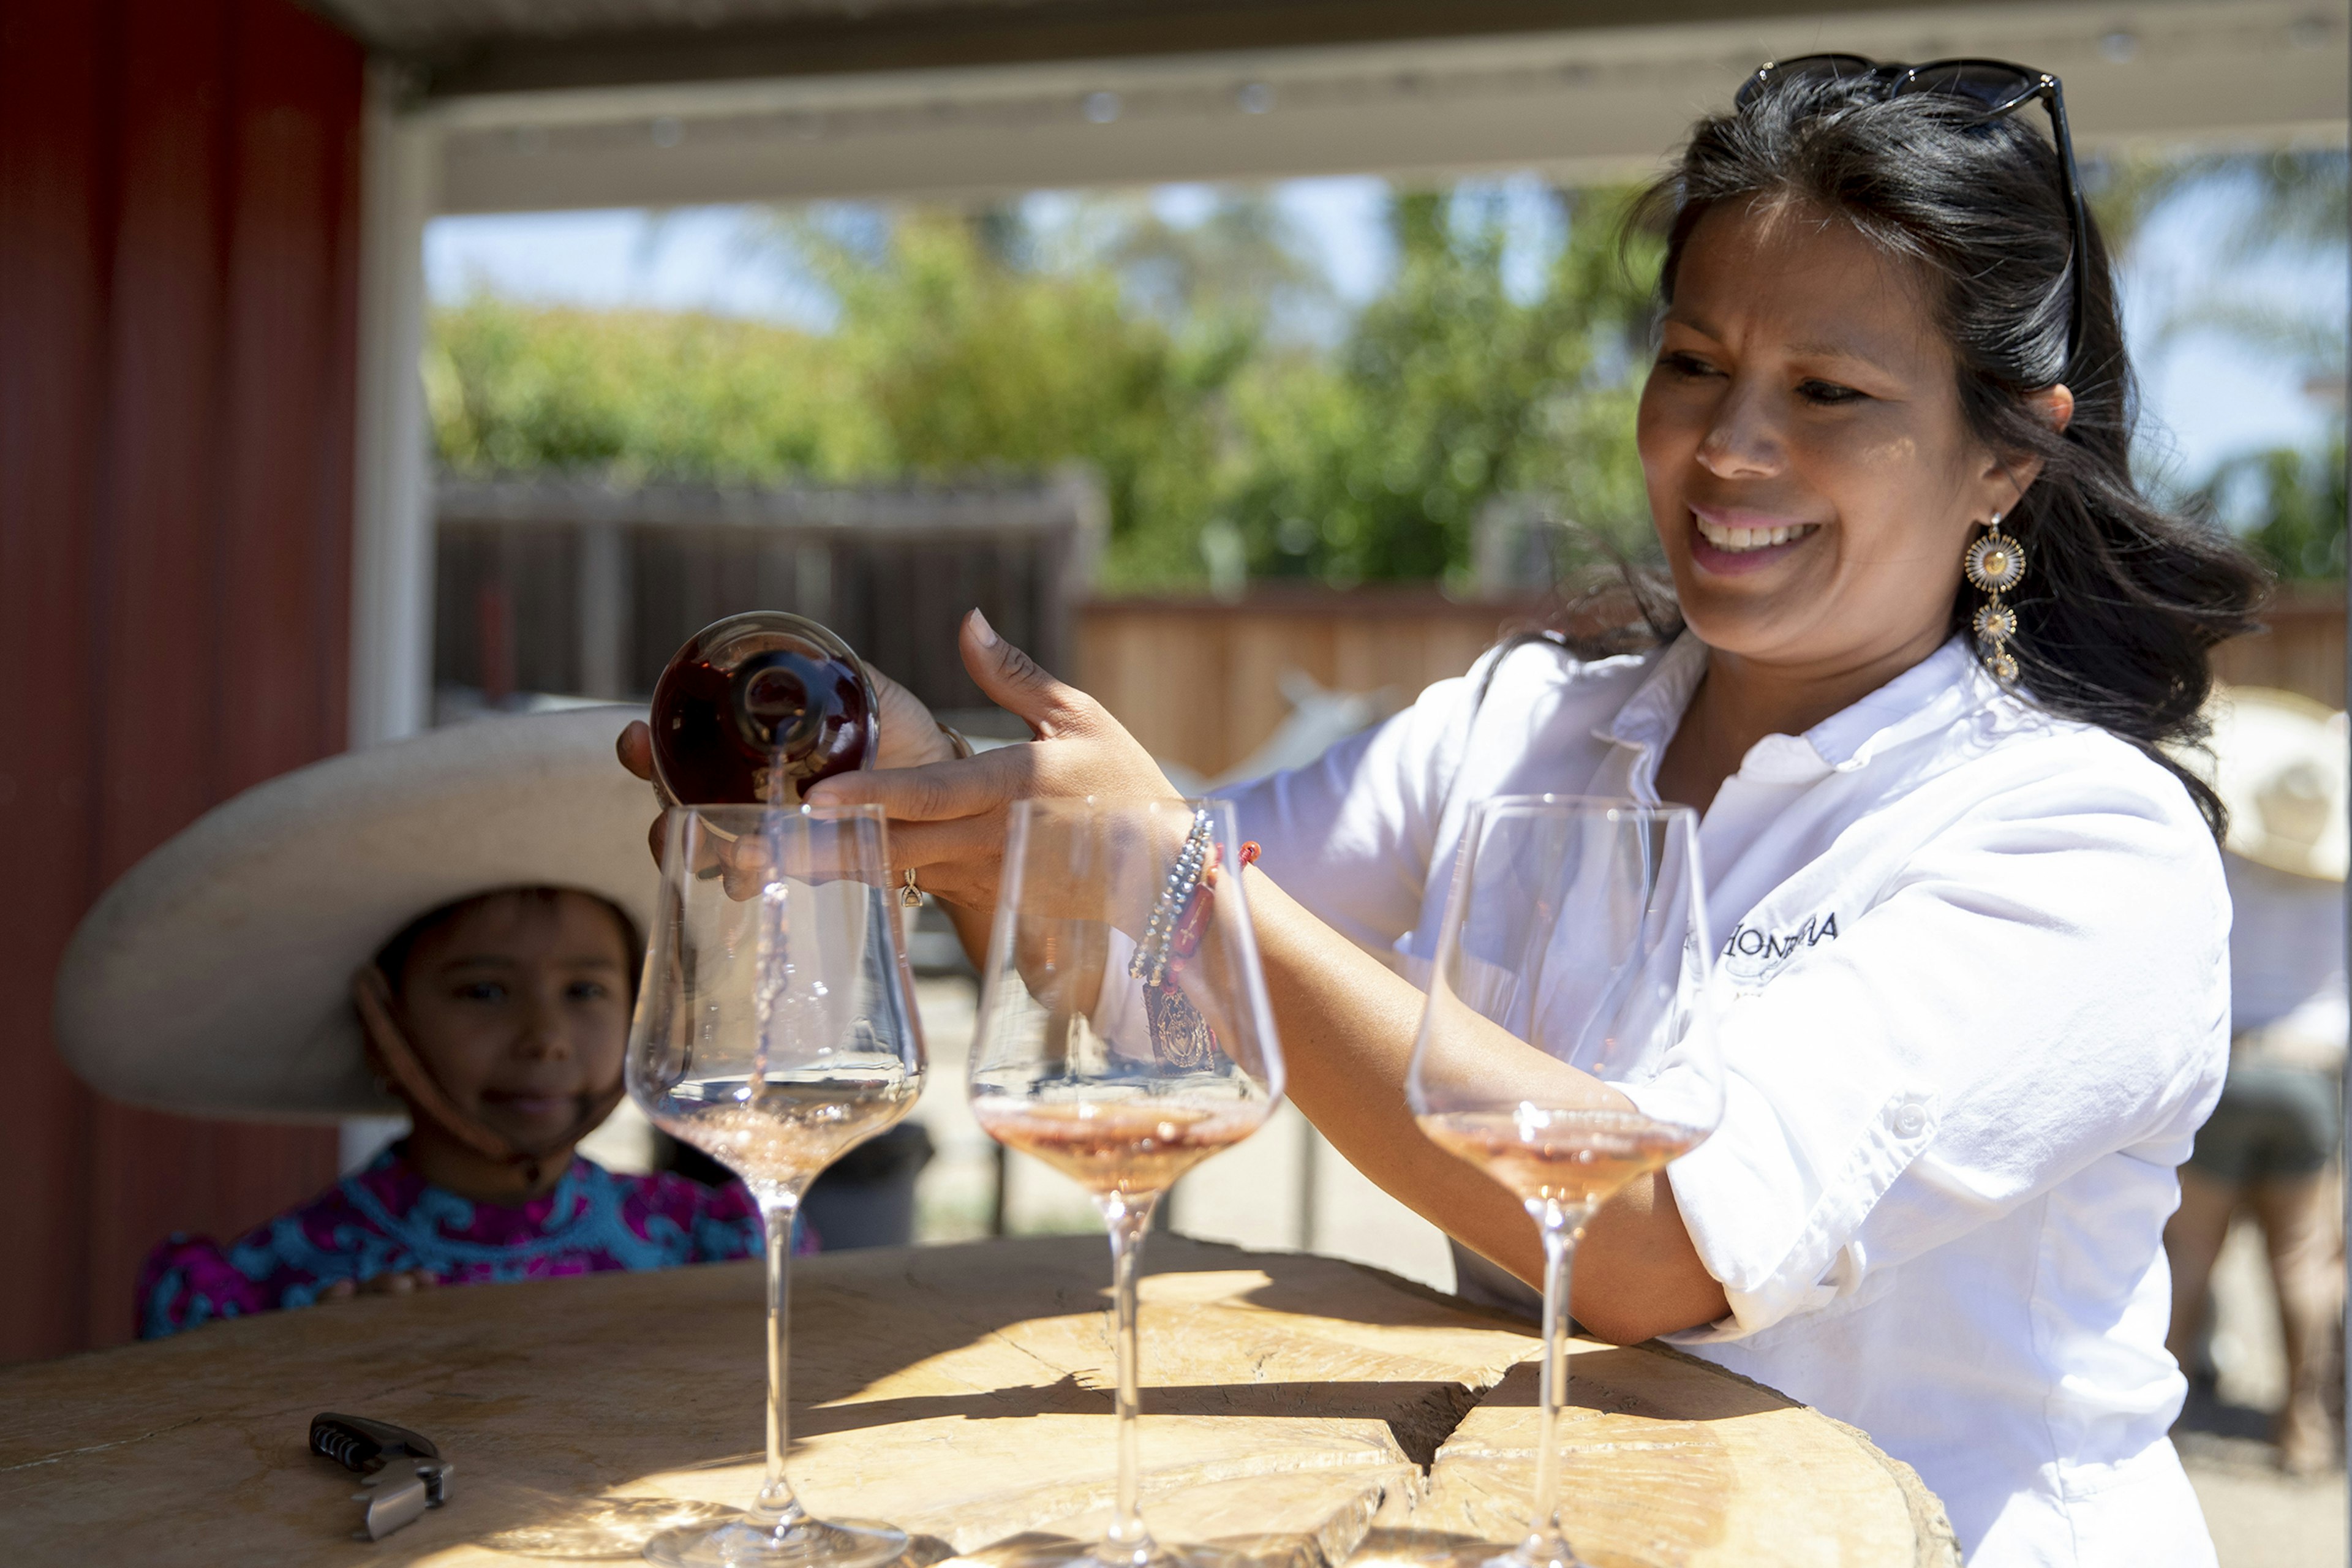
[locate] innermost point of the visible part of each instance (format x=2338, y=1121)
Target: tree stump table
x=1297, y=1410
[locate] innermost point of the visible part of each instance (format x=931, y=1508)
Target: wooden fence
x=2303, y=650
x=1196, y=681
x=577, y=588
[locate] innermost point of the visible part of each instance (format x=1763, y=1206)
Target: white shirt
x=1982, y=1006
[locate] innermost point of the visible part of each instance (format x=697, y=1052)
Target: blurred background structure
x=371, y=363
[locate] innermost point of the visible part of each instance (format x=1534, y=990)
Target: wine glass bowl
x=1567, y=1046
x=1124, y=1035
x=776, y=1029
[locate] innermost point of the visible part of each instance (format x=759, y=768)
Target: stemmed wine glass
x=776, y=1029
x=1567, y=1047
x=1124, y=1035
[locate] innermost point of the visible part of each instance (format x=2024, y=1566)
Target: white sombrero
x=214, y=979
x=2280, y=763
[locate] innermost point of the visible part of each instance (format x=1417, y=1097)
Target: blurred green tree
x=2292, y=505
x=1447, y=394
x=642, y=393
x=1148, y=351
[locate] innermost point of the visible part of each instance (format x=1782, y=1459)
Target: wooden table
x=960, y=1392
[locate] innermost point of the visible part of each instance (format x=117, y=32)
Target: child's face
x=520, y=1008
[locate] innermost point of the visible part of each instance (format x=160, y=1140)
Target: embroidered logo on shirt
x=1763, y=951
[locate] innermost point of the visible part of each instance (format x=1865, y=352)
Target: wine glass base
x=809, y=1543
x=1062, y=1552
x=1411, y=1549
x=1520, y=1557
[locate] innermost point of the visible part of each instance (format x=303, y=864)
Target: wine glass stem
x=1547, y=1541
x=1128, y=1218
x=777, y=1505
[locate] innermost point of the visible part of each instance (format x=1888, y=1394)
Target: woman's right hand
x=948, y=818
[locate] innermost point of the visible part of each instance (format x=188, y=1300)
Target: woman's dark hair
x=393, y=957
x=2124, y=602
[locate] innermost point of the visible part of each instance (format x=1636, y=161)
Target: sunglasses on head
x=1997, y=88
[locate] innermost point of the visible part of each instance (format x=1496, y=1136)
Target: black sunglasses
x=1997, y=88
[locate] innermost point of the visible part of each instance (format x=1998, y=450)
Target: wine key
x=403, y=1470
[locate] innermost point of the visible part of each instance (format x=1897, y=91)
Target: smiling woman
x=1878, y=338
x=1926, y=643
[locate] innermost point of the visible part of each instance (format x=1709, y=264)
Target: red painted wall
x=179, y=242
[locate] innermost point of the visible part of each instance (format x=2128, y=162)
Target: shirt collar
x=1650, y=717
x=1929, y=696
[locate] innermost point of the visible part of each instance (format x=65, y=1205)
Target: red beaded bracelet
x=1186, y=939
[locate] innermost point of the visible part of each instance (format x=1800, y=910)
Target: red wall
x=179, y=218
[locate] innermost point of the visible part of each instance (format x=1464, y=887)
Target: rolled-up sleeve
x=2040, y=986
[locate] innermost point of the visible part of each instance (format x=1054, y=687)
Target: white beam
x=392, y=545
x=1585, y=102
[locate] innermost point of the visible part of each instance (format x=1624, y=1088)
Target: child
x=498, y=1018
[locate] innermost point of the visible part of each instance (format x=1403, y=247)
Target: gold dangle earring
x=1996, y=563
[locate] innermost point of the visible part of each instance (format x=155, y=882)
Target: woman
x=1977, y=919
x=447, y=925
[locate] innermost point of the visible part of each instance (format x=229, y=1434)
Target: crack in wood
x=64, y=1454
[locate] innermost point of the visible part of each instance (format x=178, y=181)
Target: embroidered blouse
x=387, y=1217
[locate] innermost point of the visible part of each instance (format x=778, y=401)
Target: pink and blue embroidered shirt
x=387, y=1218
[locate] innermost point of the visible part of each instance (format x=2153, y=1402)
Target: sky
x=2208, y=396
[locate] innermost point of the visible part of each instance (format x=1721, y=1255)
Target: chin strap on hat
x=371, y=994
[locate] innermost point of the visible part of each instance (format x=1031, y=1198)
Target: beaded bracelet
x=1180, y=1037
x=1150, y=962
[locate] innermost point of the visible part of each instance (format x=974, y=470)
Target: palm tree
x=2285, y=206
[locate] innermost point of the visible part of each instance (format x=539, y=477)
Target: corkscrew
x=402, y=1472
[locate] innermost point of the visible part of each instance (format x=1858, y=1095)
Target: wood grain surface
x=1298, y=1410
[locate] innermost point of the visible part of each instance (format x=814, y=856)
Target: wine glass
x=1124, y=1036
x=1567, y=1047
x=775, y=1030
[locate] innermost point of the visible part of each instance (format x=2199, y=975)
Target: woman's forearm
x=1347, y=1024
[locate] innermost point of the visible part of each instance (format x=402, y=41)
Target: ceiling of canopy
x=572, y=104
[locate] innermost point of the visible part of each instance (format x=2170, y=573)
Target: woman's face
x=1809, y=471
x=519, y=1006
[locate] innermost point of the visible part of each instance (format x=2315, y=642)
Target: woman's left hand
x=947, y=818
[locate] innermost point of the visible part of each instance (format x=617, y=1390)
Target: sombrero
x=2280, y=763
x=213, y=978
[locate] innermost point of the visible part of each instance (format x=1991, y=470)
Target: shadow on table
x=1605, y=1381
x=1366, y=1401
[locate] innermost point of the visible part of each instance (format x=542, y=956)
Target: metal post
x=392, y=544
x=603, y=610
